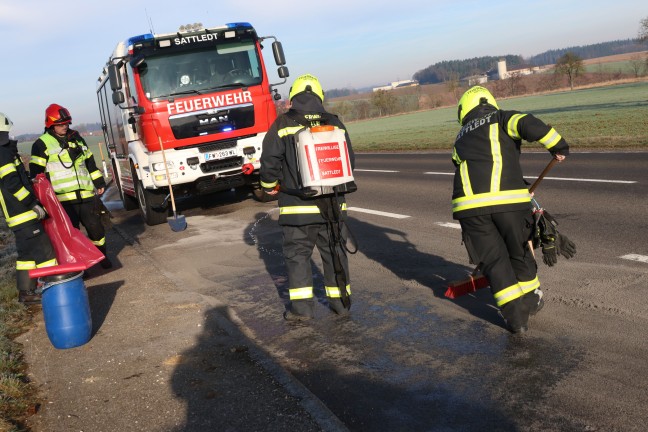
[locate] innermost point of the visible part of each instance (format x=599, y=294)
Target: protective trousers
x=499, y=241
x=34, y=250
x=298, y=245
x=84, y=213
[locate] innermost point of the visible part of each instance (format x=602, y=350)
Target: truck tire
x=149, y=203
x=130, y=202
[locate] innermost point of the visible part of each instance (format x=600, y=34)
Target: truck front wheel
x=150, y=205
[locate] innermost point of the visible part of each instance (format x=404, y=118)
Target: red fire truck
x=199, y=98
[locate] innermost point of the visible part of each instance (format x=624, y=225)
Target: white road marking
x=585, y=180
x=370, y=170
x=379, y=213
x=635, y=257
x=439, y=173
x=449, y=225
x=552, y=178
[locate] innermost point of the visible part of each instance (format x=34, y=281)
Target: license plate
x=220, y=154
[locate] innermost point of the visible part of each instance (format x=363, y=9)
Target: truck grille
x=222, y=164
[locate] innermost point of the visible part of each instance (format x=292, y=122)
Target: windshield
x=233, y=64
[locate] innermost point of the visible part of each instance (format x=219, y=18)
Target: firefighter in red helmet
x=63, y=155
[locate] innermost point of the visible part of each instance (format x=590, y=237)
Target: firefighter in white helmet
x=23, y=214
x=63, y=155
x=492, y=202
x=304, y=224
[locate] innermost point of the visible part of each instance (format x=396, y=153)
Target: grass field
x=609, y=117
x=603, y=117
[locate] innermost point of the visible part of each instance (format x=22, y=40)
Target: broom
x=474, y=282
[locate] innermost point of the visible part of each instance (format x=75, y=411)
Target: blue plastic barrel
x=66, y=310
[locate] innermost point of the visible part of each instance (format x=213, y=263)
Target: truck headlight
x=159, y=166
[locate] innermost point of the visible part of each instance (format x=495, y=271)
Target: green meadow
x=608, y=117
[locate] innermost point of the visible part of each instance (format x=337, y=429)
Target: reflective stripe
x=269, y=185
x=100, y=242
x=301, y=293
x=289, y=131
x=299, y=210
x=37, y=160
x=21, y=218
x=305, y=209
x=334, y=292
x=530, y=286
x=551, y=139
x=508, y=294
x=95, y=175
x=455, y=156
x=496, y=151
x=22, y=193
x=25, y=265
x=490, y=199
x=512, y=126
x=465, y=178
x=49, y=263
x=6, y=169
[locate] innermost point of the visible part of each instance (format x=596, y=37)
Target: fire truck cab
x=199, y=98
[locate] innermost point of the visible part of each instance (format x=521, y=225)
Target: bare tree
x=452, y=84
x=571, y=65
x=643, y=30
x=637, y=64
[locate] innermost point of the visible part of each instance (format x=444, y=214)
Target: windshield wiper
x=185, y=92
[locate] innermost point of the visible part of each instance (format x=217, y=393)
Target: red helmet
x=56, y=114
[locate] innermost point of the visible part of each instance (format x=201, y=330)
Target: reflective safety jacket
x=488, y=177
x=279, y=162
x=16, y=193
x=70, y=167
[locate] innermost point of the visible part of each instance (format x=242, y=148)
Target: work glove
x=272, y=191
x=40, y=211
x=549, y=253
x=566, y=247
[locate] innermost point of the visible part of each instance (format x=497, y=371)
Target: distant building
x=503, y=73
x=397, y=84
x=476, y=80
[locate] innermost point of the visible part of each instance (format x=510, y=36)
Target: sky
x=53, y=52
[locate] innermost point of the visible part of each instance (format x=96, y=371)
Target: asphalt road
x=407, y=358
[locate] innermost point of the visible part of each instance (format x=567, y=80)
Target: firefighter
x=63, y=155
x=23, y=214
x=306, y=222
x=492, y=202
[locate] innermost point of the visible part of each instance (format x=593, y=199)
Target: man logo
x=213, y=120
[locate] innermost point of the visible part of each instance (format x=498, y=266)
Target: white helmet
x=5, y=127
x=5, y=123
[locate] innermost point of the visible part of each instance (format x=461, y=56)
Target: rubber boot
x=105, y=263
x=335, y=304
x=516, y=315
x=300, y=310
x=26, y=288
x=534, y=301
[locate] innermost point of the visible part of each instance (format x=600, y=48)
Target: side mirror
x=277, y=50
x=114, y=77
x=118, y=98
x=282, y=71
